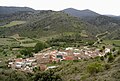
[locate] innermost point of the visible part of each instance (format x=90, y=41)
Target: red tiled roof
x=18, y=60
x=68, y=58
x=43, y=67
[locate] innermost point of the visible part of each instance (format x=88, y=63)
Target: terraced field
x=25, y=41
x=8, y=42
x=117, y=42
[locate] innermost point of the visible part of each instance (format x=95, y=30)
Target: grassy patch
x=28, y=45
x=13, y=23
x=84, y=33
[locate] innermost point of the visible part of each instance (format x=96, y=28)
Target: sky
x=109, y=7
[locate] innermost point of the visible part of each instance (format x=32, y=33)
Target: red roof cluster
x=68, y=58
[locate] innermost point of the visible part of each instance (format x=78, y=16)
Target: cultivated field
x=117, y=42
x=8, y=41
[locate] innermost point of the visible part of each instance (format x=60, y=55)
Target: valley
x=67, y=45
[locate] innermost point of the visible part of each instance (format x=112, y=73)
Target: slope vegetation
x=48, y=23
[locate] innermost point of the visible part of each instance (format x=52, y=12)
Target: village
x=48, y=56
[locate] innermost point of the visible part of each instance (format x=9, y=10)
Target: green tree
x=36, y=69
x=101, y=50
x=103, y=47
x=40, y=46
x=102, y=58
x=26, y=53
x=113, y=49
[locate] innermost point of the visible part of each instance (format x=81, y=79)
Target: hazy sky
x=100, y=6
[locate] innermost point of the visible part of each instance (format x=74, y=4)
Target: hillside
x=10, y=10
x=86, y=71
x=49, y=23
x=103, y=23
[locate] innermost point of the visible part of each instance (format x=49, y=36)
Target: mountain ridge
x=80, y=13
x=12, y=9
x=55, y=22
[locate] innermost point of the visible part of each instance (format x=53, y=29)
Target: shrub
x=95, y=68
x=35, y=69
x=113, y=49
x=118, y=52
x=107, y=66
x=19, y=56
x=101, y=50
x=109, y=53
x=17, y=76
x=76, y=60
x=105, y=55
x=103, y=47
x=110, y=58
x=102, y=58
x=97, y=58
x=47, y=76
